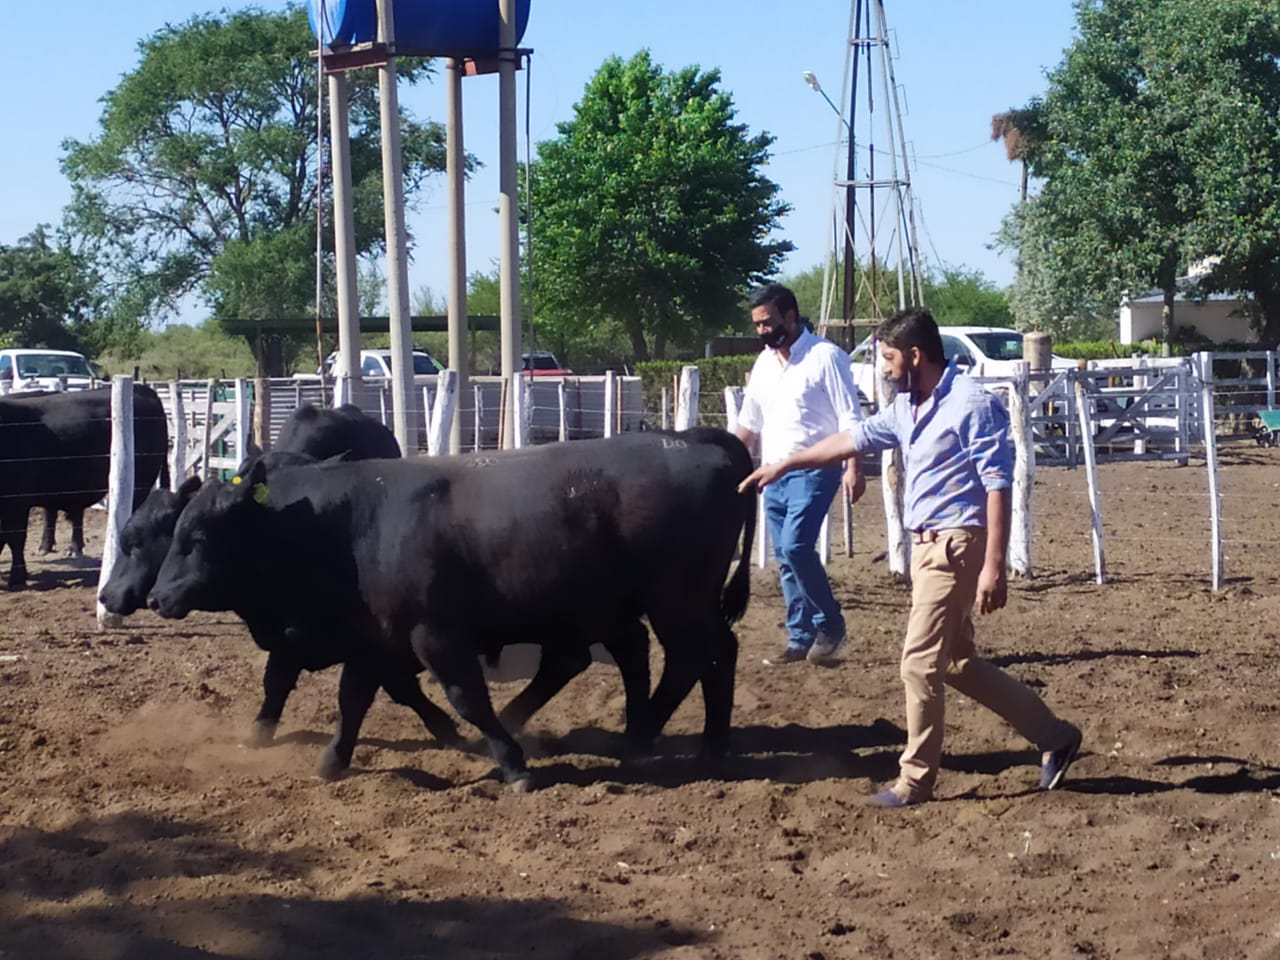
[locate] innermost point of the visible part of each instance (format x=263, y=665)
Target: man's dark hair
x=913, y=327
x=774, y=294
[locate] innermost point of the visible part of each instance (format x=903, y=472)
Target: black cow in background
x=345, y=432
x=55, y=452
x=395, y=564
x=309, y=435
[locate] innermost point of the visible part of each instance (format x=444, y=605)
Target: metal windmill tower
x=872, y=205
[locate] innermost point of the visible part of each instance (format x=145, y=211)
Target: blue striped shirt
x=955, y=447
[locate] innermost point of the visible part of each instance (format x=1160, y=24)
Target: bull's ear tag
x=260, y=492
x=236, y=481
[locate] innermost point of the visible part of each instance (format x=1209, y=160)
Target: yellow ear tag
x=236, y=481
x=260, y=492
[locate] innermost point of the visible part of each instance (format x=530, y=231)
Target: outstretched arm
x=824, y=453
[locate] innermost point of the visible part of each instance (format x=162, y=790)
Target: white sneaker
x=826, y=647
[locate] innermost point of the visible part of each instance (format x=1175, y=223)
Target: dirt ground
x=134, y=824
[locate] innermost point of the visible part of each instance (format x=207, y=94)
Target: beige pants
x=939, y=650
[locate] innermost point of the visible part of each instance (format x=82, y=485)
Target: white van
x=35, y=369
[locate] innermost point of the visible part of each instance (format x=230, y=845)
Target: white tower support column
x=508, y=205
x=455, y=166
x=397, y=267
x=344, y=233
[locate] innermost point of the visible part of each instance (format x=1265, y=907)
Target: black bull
x=55, y=452
x=398, y=564
x=310, y=434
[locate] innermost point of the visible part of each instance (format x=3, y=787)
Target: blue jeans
x=794, y=508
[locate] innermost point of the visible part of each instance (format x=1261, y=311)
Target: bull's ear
x=257, y=473
x=188, y=489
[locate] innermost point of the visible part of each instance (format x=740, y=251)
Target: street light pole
x=849, y=303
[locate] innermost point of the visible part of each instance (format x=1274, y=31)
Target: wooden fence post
x=261, y=414
x=562, y=394
x=178, y=433
x=687, y=402
x=243, y=416
x=440, y=423
x=119, y=487
x=520, y=413
x=1023, y=471
x=205, y=469
x=732, y=407
x=1091, y=468
x=1211, y=464
x=610, y=401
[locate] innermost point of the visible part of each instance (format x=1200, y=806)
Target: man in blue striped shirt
x=954, y=438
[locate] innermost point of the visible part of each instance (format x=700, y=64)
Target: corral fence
x=1143, y=408
x=212, y=421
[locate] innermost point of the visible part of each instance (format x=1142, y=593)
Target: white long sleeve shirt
x=792, y=403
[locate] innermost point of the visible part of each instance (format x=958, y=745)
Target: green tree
x=650, y=211
x=49, y=295
x=960, y=297
x=1157, y=144
x=202, y=179
x=1220, y=64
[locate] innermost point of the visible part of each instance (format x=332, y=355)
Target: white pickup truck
x=39, y=369
x=983, y=351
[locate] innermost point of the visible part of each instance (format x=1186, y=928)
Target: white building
x=1220, y=317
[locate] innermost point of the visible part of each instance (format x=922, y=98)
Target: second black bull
x=442, y=561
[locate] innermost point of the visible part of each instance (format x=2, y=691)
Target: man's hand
x=993, y=588
x=762, y=476
x=855, y=482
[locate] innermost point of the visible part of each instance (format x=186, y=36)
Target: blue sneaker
x=1056, y=763
x=890, y=798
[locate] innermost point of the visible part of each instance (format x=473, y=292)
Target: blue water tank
x=422, y=26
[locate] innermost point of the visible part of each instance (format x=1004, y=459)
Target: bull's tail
x=733, y=602
x=163, y=482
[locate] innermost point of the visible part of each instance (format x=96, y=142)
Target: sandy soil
x=134, y=824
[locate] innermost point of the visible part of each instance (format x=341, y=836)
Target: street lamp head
x=812, y=81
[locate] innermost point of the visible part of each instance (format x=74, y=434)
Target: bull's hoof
x=521, y=783
x=714, y=751
x=75, y=553
x=638, y=748
x=446, y=736
x=16, y=584
x=44, y=549
x=331, y=769
x=261, y=735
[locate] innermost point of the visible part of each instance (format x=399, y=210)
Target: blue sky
x=957, y=64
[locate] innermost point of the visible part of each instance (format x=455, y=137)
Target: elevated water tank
x=423, y=27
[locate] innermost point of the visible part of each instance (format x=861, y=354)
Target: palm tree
x=1018, y=127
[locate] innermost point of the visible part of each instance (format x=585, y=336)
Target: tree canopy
x=1157, y=146
x=49, y=295
x=202, y=179
x=650, y=215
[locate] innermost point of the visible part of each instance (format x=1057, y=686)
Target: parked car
x=543, y=364
x=984, y=351
x=37, y=369
x=377, y=363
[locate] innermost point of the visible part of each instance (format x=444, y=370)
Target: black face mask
x=775, y=337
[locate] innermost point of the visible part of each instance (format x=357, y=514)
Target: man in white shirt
x=801, y=391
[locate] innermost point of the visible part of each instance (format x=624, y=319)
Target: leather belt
x=925, y=536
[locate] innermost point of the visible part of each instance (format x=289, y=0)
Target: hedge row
x=714, y=374
x=1109, y=349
